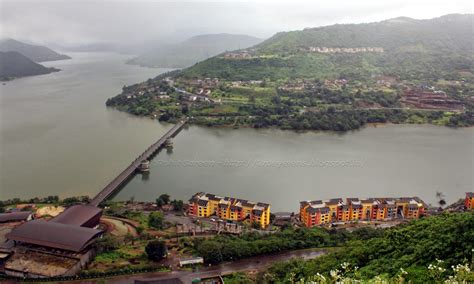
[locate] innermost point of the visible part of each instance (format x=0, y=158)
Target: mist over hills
x=36, y=53
x=193, y=50
x=409, y=49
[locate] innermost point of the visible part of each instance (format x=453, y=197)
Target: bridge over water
x=117, y=182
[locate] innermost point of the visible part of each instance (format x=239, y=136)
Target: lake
x=58, y=138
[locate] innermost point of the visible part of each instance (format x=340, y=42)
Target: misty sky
x=72, y=22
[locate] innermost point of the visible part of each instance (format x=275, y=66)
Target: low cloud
x=72, y=22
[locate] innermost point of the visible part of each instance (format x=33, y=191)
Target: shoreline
x=367, y=125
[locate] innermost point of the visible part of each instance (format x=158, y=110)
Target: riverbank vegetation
x=226, y=247
x=38, y=202
x=324, y=109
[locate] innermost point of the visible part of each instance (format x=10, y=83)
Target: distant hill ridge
x=447, y=33
x=193, y=50
x=14, y=64
x=421, y=49
x=36, y=53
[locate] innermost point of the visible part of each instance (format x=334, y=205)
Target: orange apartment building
x=469, y=201
x=227, y=208
x=320, y=212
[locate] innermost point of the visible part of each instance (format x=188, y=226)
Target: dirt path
x=119, y=227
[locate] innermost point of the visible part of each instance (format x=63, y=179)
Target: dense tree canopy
x=251, y=244
x=156, y=250
x=413, y=247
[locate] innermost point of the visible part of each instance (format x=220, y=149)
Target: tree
x=252, y=98
x=52, y=199
x=211, y=252
x=441, y=201
x=164, y=117
x=108, y=243
x=139, y=230
x=178, y=205
x=156, y=250
x=156, y=220
x=71, y=201
x=185, y=109
x=256, y=225
x=162, y=200
x=276, y=100
x=85, y=199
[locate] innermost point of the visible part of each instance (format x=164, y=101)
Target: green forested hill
x=422, y=49
x=450, y=33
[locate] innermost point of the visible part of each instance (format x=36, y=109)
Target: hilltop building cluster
x=342, y=49
x=206, y=83
x=320, y=212
x=238, y=55
x=228, y=208
x=298, y=85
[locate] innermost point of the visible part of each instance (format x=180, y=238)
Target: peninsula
x=338, y=77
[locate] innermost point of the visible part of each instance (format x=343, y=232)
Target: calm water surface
x=383, y=161
x=57, y=137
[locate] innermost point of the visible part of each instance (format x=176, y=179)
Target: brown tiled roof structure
x=54, y=235
x=79, y=215
x=14, y=216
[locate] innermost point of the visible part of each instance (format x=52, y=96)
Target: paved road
x=257, y=263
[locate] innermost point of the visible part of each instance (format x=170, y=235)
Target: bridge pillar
x=144, y=166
